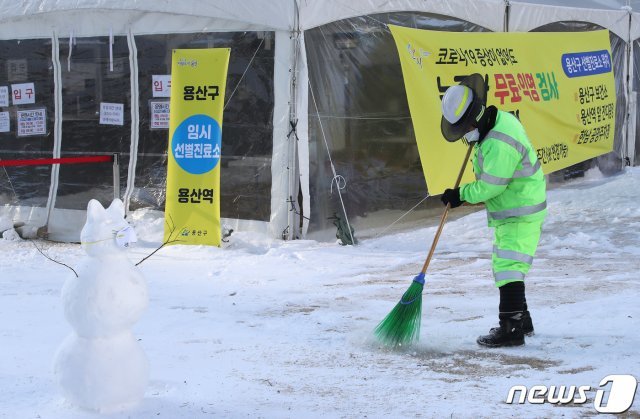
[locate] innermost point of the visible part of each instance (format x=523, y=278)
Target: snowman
x=100, y=365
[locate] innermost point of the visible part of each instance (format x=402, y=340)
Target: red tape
x=62, y=160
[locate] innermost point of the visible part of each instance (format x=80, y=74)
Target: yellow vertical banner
x=560, y=85
x=192, y=208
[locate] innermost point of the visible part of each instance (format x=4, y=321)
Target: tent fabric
x=634, y=88
x=145, y=16
x=308, y=78
x=589, y=4
x=523, y=17
x=315, y=13
x=359, y=119
x=635, y=26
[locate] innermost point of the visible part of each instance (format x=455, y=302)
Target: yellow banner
x=560, y=86
x=192, y=209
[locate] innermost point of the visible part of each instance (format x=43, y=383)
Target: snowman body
x=100, y=365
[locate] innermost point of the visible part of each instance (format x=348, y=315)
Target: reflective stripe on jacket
x=509, y=179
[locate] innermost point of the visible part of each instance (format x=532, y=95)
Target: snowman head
x=106, y=231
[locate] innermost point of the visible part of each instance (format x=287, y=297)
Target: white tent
x=300, y=96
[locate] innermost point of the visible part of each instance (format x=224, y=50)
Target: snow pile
x=10, y=234
x=100, y=365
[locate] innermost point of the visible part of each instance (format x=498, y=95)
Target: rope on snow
x=402, y=216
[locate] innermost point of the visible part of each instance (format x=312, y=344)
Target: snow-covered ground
x=266, y=328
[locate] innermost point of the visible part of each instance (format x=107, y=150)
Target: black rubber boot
x=511, y=315
x=527, y=325
x=509, y=333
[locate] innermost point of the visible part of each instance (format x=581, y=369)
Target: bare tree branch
x=51, y=259
x=169, y=240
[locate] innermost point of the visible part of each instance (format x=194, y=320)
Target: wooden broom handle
x=446, y=212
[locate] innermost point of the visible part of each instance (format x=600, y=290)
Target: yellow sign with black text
x=192, y=208
x=560, y=85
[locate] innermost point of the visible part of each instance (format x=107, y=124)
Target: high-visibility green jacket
x=509, y=179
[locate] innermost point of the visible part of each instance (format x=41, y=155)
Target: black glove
x=452, y=197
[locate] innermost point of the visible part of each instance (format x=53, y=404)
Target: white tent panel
x=635, y=26
x=46, y=19
x=36, y=19
x=486, y=13
x=524, y=17
x=588, y=4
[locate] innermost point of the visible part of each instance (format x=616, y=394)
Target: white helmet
x=462, y=107
x=455, y=102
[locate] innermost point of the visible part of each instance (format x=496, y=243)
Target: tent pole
x=629, y=137
x=507, y=9
x=293, y=218
x=57, y=126
x=135, y=121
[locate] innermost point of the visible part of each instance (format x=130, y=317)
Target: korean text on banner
x=192, y=209
x=560, y=86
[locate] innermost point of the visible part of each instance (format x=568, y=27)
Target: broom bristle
x=401, y=327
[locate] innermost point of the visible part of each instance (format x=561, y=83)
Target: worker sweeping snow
x=511, y=184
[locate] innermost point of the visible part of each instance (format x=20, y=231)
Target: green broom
x=401, y=327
